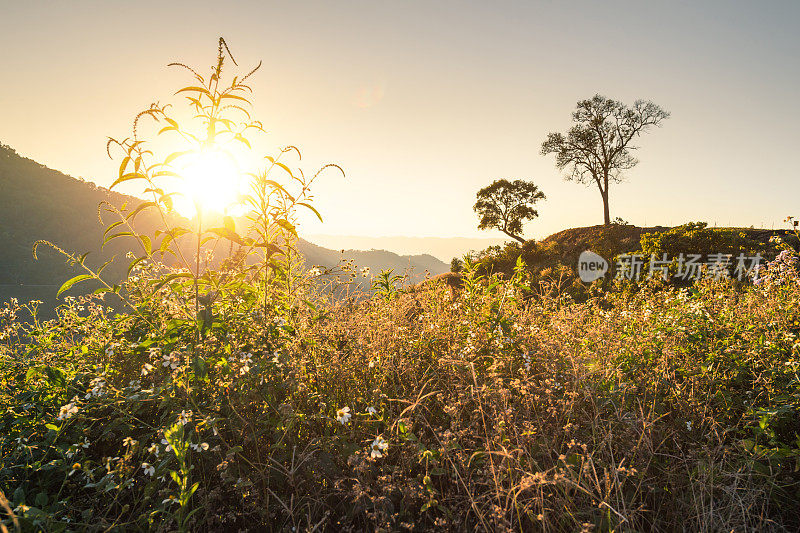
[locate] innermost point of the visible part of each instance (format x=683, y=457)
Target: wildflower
x=167, y=446
x=148, y=469
x=171, y=360
x=147, y=368
x=343, y=415
x=185, y=417
x=203, y=446
x=109, y=352
x=365, y=272
x=128, y=441
x=314, y=272
x=527, y=357
x=98, y=388
x=379, y=446
x=279, y=321
x=371, y=410
x=689, y=425
x=153, y=448
x=67, y=411
x=247, y=360
x=171, y=499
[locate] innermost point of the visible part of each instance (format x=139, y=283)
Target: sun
x=211, y=181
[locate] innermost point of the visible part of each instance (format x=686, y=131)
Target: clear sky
x=423, y=103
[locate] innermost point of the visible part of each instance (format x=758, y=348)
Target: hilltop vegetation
x=557, y=255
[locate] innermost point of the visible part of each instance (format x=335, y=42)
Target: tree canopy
x=505, y=205
x=598, y=149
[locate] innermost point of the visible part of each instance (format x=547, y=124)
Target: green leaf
x=175, y=155
x=139, y=208
x=148, y=246
x=227, y=234
x=171, y=277
x=202, y=90
x=128, y=177
x=229, y=223
x=110, y=237
x=288, y=226
x=134, y=263
x=111, y=226
x=72, y=281
x=312, y=209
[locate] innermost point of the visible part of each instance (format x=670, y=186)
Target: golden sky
x=424, y=103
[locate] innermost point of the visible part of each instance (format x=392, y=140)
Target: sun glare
x=211, y=181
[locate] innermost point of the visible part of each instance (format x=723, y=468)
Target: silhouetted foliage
x=505, y=205
x=597, y=149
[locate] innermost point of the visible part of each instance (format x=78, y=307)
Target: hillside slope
x=37, y=202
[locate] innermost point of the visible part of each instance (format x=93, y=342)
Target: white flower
x=171, y=360
x=185, y=417
x=203, y=446
x=527, y=357
x=109, y=352
x=365, y=272
x=315, y=272
x=371, y=410
x=689, y=425
x=98, y=385
x=148, y=469
x=128, y=441
x=166, y=443
x=343, y=415
x=379, y=446
x=67, y=411
x=153, y=448
x=147, y=368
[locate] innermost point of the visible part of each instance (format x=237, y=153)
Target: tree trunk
x=520, y=239
x=604, y=194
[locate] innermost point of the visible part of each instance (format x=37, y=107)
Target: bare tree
x=597, y=149
x=506, y=205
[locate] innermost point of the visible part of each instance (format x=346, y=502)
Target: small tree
x=597, y=149
x=505, y=205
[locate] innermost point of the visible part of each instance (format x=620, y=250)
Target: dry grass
x=660, y=410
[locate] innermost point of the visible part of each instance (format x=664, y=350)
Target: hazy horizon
x=443, y=248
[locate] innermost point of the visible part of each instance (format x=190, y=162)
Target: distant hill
x=37, y=202
x=444, y=248
x=376, y=260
